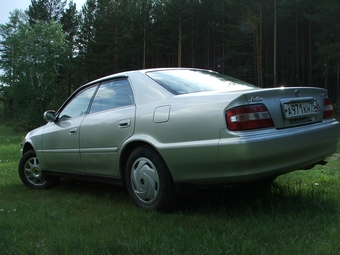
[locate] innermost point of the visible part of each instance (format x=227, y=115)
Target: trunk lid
x=291, y=106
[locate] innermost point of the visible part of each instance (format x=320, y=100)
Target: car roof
x=126, y=74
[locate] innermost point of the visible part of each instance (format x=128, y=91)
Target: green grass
x=299, y=214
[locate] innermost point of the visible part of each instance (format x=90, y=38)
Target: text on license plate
x=298, y=109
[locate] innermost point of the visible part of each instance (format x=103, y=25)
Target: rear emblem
x=297, y=92
x=255, y=99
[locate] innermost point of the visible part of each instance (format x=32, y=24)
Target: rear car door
x=60, y=140
x=109, y=123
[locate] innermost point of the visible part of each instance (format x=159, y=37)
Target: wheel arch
x=127, y=150
x=27, y=147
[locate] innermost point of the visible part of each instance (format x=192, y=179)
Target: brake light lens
x=328, y=111
x=248, y=117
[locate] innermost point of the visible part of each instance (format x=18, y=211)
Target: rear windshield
x=192, y=81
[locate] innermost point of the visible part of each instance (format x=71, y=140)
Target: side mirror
x=49, y=116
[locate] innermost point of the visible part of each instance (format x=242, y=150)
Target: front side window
x=112, y=94
x=79, y=105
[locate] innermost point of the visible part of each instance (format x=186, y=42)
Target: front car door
x=109, y=123
x=60, y=140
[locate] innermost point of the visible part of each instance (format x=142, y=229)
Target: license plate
x=300, y=109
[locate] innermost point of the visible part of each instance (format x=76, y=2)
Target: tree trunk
x=338, y=77
x=297, y=53
x=192, y=43
x=208, y=51
x=275, y=42
x=144, y=45
x=310, y=55
x=257, y=54
x=116, y=50
x=256, y=57
x=326, y=73
x=260, y=47
x=179, y=59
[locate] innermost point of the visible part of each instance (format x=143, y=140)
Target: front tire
x=30, y=172
x=149, y=181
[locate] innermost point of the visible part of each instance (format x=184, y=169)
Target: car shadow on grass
x=95, y=189
x=256, y=199
x=235, y=200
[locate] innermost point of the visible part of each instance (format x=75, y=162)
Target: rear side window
x=112, y=94
x=192, y=81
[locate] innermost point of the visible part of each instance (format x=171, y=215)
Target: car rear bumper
x=275, y=152
x=255, y=155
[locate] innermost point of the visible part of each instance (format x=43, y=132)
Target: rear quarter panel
x=188, y=140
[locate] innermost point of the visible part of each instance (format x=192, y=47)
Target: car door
x=109, y=123
x=60, y=140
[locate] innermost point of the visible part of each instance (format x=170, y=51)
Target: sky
x=7, y=6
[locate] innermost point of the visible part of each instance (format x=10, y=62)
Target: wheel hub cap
x=145, y=180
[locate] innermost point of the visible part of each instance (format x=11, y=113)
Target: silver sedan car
x=156, y=130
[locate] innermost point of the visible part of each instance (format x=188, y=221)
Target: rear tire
x=149, y=181
x=30, y=172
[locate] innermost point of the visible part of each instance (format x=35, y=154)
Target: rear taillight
x=328, y=111
x=248, y=117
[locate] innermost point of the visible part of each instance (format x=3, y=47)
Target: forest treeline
x=52, y=47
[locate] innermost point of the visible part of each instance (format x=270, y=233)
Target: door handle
x=73, y=131
x=124, y=123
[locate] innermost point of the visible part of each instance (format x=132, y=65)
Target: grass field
x=299, y=214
